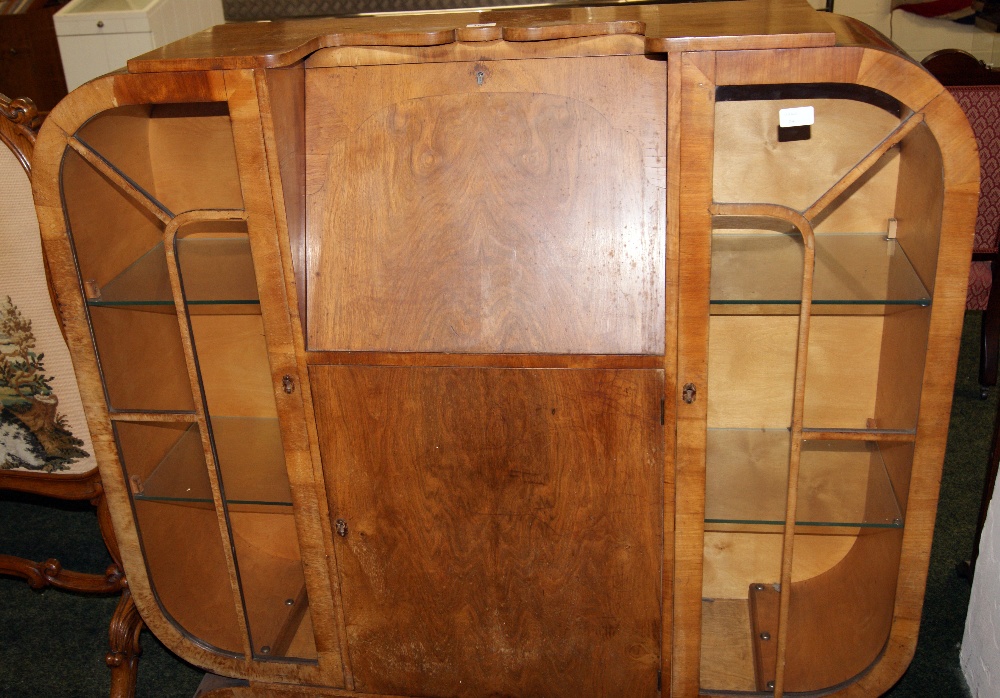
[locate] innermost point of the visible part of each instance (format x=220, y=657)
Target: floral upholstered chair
x=977, y=90
x=44, y=444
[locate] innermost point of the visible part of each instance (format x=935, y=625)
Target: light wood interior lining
x=121, y=136
x=270, y=568
x=142, y=359
x=839, y=621
x=144, y=445
x=752, y=362
x=726, y=654
x=181, y=154
x=183, y=551
x=235, y=371
x=193, y=157
x=898, y=460
x=91, y=201
x=901, y=368
x=751, y=165
x=735, y=560
x=919, y=202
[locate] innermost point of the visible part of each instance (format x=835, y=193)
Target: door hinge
x=663, y=411
x=659, y=681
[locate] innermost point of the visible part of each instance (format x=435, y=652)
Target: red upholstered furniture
x=977, y=89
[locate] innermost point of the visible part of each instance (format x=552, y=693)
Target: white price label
x=796, y=116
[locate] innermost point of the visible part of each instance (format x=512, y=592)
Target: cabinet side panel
x=503, y=527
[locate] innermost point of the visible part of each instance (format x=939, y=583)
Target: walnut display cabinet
x=570, y=351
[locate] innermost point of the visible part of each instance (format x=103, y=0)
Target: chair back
x=976, y=88
x=42, y=423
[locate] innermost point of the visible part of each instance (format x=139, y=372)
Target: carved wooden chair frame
x=19, y=120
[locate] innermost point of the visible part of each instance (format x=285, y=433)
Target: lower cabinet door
x=500, y=531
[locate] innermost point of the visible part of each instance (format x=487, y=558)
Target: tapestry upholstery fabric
x=981, y=104
x=42, y=424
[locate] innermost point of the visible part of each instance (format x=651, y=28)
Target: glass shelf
x=841, y=483
x=855, y=273
x=250, y=457
x=216, y=271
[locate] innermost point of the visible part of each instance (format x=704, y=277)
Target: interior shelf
x=215, y=271
x=856, y=273
x=250, y=458
x=841, y=483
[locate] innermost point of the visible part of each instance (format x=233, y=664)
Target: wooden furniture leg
x=40, y=575
x=990, y=342
x=123, y=658
x=126, y=624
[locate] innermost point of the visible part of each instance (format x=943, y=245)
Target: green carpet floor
x=53, y=643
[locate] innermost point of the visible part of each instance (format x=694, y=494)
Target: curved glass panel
x=220, y=295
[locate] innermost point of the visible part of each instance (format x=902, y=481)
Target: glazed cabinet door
x=485, y=323
x=804, y=344
x=175, y=257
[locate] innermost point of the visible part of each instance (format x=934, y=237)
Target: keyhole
x=690, y=393
x=480, y=77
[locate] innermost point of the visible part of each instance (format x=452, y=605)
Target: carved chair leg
x=126, y=624
x=990, y=341
x=50, y=573
x=123, y=659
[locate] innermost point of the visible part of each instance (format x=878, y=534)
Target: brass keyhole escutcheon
x=341, y=527
x=690, y=393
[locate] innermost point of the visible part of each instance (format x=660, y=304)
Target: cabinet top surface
x=735, y=24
